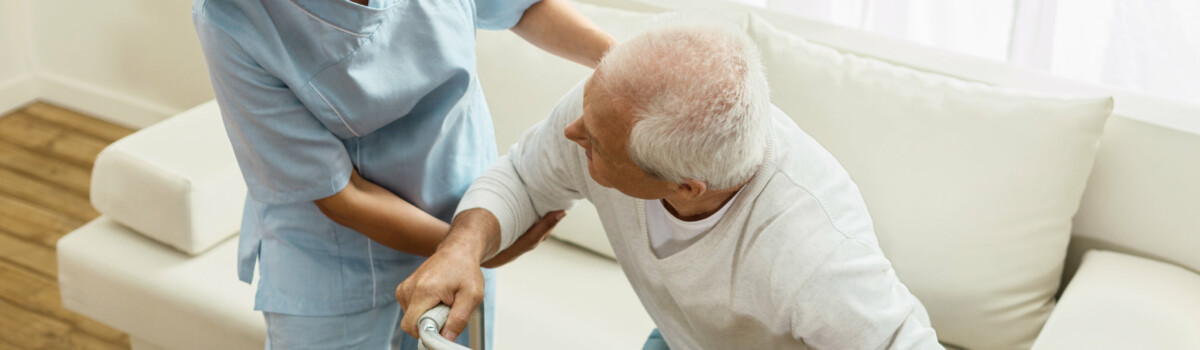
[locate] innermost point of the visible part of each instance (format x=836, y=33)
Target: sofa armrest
x=176, y=182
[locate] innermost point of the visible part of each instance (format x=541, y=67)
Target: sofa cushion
x=563, y=297
x=971, y=187
x=175, y=182
x=111, y=274
x=1119, y=301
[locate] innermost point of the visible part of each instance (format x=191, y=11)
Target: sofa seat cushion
x=175, y=182
x=971, y=187
x=556, y=297
x=561, y=296
x=1118, y=301
x=116, y=276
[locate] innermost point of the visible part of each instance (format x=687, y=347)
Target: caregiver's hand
x=451, y=275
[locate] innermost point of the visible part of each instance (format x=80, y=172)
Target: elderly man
x=735, y=228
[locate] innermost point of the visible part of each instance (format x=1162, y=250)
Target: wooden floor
x=46, y=156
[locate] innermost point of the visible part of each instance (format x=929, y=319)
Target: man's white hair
x=699, y=96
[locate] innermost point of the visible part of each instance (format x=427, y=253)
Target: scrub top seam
x=370, y=253
x=335, y=111
x=310, y=14
x=314, y=76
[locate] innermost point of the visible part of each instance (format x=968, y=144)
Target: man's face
x=603, y=132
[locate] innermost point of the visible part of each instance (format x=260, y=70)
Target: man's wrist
x=470, y=236
x=463, y=247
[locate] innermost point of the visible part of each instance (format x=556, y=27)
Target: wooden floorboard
x=78, y=340
x=40, y=294
x=20, y=228
x=46, y=155
x=31, y=256
x=38, y=224
x=34, y=191
x=30, y=330
x=55, y=171
x=100, y=129
x=4, y=345
x=51, y=139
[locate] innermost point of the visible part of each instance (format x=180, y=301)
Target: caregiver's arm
x=555, y=26
x=388, y=219
x=383, y=217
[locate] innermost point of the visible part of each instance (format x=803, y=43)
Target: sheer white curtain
x=1151, y=46
x=1147, y=45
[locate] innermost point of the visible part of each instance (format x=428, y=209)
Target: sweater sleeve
x=542, y=172
x=855, y=301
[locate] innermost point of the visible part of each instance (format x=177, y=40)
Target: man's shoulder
x=787, y=207
x=807, y=189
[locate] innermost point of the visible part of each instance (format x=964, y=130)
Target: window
x=1140, y=45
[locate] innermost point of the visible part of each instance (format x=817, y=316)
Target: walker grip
x=429, y=327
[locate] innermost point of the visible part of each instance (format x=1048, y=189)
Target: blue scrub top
x=309, y=89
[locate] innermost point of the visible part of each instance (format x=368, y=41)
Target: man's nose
x=573, y=133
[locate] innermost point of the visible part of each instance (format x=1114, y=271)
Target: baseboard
x=102, y=103
x=18, y=92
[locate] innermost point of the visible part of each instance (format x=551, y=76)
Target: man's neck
x=701, y=207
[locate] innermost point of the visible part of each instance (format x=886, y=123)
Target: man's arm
x=452, y=275
x=541, y=174
x=555, y=26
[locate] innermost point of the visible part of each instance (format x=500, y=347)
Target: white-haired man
x=735, y=228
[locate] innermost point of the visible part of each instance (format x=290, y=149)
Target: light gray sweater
x=794, y=264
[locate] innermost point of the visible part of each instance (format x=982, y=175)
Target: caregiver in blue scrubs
x=358, y=126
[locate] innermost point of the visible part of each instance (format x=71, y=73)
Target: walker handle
x=429, y=327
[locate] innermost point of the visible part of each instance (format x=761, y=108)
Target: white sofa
x=961, y=229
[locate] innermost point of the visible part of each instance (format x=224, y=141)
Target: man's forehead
x=607, y=118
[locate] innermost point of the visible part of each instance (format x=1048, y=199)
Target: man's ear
x=690, y=188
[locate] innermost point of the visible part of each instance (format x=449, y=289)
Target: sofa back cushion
x=971, y=187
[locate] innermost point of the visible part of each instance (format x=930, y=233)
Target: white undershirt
x=669, y=234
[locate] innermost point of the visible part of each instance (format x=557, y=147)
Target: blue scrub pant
x=373, y=329
x=656, y=342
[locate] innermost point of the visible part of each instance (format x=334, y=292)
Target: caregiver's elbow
x=339, y=206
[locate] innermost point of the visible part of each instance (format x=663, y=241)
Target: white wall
x=17, y=83
x=134, y=62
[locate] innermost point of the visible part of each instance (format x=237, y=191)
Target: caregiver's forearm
x=384, y=217
x=555, y=26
